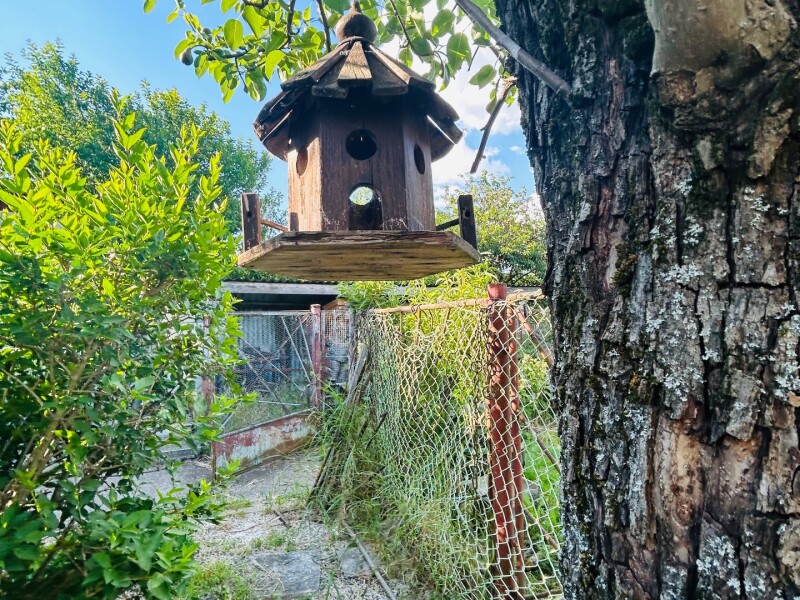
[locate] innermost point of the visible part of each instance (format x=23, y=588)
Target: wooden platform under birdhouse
x=360, y=255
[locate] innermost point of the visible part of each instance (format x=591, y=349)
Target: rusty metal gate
x=287, y=358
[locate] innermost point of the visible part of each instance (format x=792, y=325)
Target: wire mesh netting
x=336, y=334
x=275, y=348
x=457, y=454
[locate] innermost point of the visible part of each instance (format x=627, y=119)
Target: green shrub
x=109, y=314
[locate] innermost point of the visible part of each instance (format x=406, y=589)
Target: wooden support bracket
x=251, y=221
x=466, y=220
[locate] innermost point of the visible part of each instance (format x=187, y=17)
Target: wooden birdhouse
x=359, y=131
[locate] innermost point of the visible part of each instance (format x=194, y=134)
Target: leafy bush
x=109, y=315
x=511, y=227
x=48, y=96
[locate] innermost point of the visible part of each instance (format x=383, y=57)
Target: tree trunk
x=670, y=188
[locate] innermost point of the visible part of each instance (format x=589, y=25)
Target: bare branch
x=497, y=52
x=289, y=19
x=324, y=17
x=239, y=72
x=542, y=71
x=487, y=129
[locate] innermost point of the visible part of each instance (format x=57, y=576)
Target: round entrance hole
x=363, y=195
x=302, y=161
x=419, y=159
x=361, y=144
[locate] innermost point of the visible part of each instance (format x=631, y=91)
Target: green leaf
x=273, y=59
x=26, y=552
x=234, y=33
x=108, y=287
x=485, y=74
x=254, y=81
x=442, y=23
x=149, y=5
x=479, y=36
x=421, y=47
x=226, y=5
x=457, y=50
x=254, y=20
x=228, y=93
x=20, y=165
x=180, y=47
x=339, y=6
x=143, y=383
x=405, y=56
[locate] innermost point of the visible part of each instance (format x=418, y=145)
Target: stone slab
x=290, y=574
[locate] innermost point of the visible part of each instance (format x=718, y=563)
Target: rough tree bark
x=671, y=188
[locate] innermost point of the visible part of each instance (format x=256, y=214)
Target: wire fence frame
x=286, y=360
x=461, y=416
x=276, y=352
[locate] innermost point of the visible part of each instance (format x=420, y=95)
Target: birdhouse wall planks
x=359, y=131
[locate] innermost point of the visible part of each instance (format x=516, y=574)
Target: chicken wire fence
x=453, y=448
x=285, y=358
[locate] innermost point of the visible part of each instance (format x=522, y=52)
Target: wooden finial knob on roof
x=356, y=24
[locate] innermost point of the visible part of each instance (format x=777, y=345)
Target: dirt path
x=252, y=553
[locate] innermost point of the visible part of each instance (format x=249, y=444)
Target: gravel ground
x=252, y=527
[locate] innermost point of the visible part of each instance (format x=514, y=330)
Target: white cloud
x=470, y=102
x=451, y=169
x=518, y=150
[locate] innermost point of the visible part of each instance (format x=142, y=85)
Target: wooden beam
x=274, y=225
x=360, y=255
x=251, y=221
x=280, y=289
x=447, y=225
x=466, y=219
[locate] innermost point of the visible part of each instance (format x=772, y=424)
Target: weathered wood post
x=251, y=221
x=317, y=354
x=505, y=445
x=466, y=220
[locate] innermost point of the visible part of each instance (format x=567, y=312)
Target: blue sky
x=116, y=40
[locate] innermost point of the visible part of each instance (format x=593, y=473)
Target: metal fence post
x=317, y=354
x=208, y=391
x=505, y=445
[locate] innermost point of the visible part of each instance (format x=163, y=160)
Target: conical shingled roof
x=356, y=63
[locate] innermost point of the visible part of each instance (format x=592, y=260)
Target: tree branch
x=405, y=31
x=289, y=19
x=325, y=25
x=487, y=129
x=539, y=69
